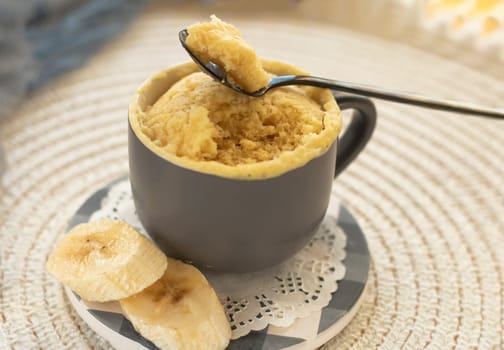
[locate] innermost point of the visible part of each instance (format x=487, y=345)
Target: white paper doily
x=276, y=296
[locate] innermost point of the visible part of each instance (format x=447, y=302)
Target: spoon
x=219, y=74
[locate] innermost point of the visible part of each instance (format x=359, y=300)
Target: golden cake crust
x=225, y=145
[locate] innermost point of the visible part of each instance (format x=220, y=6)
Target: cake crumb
x=223, y=44
x=201, y=119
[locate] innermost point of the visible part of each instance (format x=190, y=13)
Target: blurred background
x=42, y=39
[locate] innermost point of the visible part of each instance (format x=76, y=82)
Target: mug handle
x=358, y=132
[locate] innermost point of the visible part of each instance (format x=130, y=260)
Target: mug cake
x=200, y=124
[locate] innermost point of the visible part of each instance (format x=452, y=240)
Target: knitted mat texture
x=428, y=189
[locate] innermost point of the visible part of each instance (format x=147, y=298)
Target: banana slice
x=180, y=311
x=106, y=260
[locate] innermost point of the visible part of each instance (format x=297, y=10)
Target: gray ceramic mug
x=238, y=225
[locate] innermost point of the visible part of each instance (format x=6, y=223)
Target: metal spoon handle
x=390, y=95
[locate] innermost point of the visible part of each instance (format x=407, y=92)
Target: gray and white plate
x=306, y=333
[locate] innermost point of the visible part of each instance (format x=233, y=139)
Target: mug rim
x=157, y=84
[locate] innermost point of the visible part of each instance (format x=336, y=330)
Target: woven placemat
x=428, y=190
